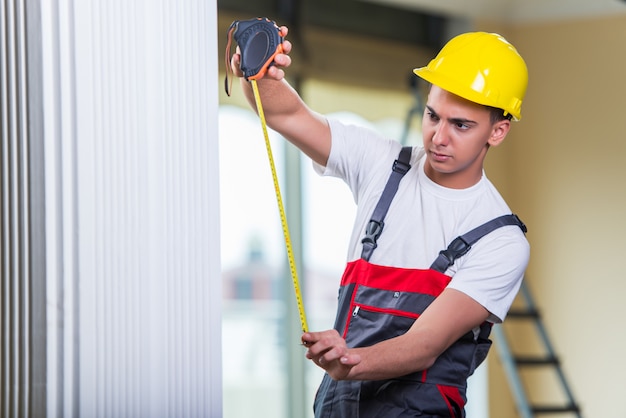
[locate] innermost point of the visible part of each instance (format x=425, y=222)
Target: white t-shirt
x=425, y=217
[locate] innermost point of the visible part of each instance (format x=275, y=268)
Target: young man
x=408, y=335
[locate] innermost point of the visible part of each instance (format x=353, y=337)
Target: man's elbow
x=428, y=362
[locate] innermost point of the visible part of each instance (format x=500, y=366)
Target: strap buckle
x=522, y=225
x=372, y=232
x=400, y=167
x=457, y=248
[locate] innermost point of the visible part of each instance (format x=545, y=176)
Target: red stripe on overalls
x=451, y=393
x=361, y=272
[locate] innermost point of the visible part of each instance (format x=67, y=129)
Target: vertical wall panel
x=122, y=125
x=147, y=233
x=15, y=332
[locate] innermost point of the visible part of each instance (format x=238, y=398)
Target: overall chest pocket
x=378, y=314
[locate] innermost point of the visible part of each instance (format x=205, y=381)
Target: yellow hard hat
x=483, y=68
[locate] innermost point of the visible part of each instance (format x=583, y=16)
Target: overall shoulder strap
x=462, y=244
x=375, y=226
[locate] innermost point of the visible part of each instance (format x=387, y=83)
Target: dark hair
x=497, y=114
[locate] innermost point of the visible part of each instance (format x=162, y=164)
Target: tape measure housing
x=259, y=41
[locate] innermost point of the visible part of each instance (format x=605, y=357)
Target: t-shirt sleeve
x=356, y=153
x=493, y=270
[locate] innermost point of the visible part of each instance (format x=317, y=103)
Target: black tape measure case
x=259, y=42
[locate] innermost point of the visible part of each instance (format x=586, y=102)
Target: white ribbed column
x=132, y=160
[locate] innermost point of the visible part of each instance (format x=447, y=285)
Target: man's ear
x=499, y=131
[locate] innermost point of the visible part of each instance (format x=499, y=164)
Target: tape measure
x=259, y=42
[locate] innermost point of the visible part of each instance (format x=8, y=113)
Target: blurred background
x=560, y=170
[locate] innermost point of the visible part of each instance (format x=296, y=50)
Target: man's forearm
x=286, y=113
x=392, y=358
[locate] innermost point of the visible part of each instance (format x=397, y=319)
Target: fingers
x=325, y=347
x=308, y=338
x=350, y=360
x=275, y=71
x=337, y=367
x=287, y=46
x=329, y=351
x=235, y=64
x=283, y=60
x=322, y=340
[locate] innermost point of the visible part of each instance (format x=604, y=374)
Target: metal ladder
x=513, y=362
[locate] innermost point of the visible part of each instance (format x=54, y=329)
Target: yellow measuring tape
x=281, y=209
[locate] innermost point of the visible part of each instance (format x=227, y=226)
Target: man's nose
x=441, y=135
